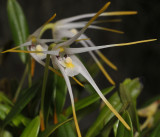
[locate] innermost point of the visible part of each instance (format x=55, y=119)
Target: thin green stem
x=44, y=84
x=29, y=73
x=44, y=81
x=21, y=84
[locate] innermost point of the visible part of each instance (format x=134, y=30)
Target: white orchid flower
x=35, y=45
x=67, y=28
x=70, y=66
x=64, y=59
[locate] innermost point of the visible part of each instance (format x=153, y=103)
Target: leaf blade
x=32, y=129
x=18, y=25
x=87, y=101
x=122, y=131
x=51, y=128
x=21, y=103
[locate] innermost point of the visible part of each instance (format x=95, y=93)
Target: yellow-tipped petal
x=109, y=20
x=105, y=73
x=70, y=41
x=118, y=13
x=48, y=21
x=117, y=114
x=107, y=61
x=111, y=30
x=98, y=13
x=11, y=49
x=78, y=82
x=24, y=51
x=82, y=39
x=76, y=122
x=136, y=42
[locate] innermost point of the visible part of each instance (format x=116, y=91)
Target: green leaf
x=20, y=119
x=22, y=101
x=4, y=110
x=134, y=87
x=60, y=91
x=5, y=99
x=127, y=90
x=65, y=130
x=87, y=101
x=104, y=116
x=108, y=127
x=45, y=111
x=32, y=129
x=122, y=131
x=48, y=96
x=156, y=117
x=51, y=128
x=18, y=25
x=156, y=131
x=113, y=123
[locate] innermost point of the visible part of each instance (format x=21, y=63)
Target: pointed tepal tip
x=109, y=2
x=50, y=19
x=4, y=51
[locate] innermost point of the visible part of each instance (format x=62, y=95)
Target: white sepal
x=85, y=49
x=71, y=95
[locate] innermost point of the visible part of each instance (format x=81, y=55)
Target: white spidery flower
x=64, y=58
x=67, y=28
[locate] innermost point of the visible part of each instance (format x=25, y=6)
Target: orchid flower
x=70, y=66
x=64, y=59
x=148, y=112
x=67, y=28
x=35, y=45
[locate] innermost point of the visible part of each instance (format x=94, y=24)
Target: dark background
x=140, y=60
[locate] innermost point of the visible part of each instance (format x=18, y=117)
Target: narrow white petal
x=71, y=25
x=81, y=25
x=86, y=49
x=36, y=33
x=70, y=41
x=84, y=43
x=81, y=50
x=83, y=16
x=58, y=35
x=71, y=96
x=85, y=73
x=26, y=44
x=47, y=40
x=37, y=59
